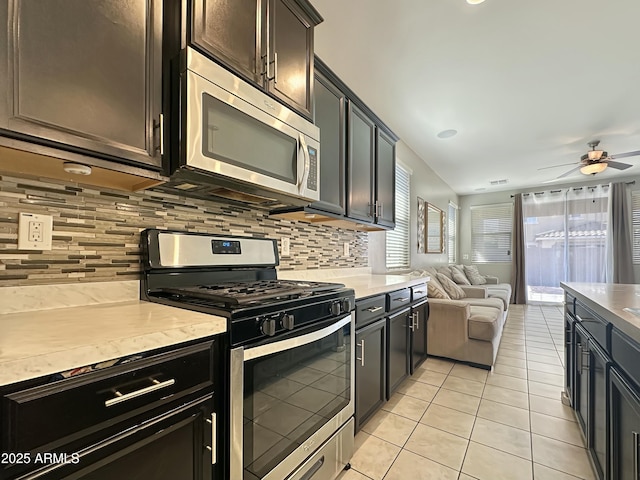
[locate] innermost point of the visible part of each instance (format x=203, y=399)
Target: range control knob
x=347, y=305
x=268, y=326
x=335, y=308
x=288, y=321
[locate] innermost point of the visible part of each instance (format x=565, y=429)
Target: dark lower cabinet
x=597, y=424
x=581, y=376
x=370, y=370
x=624, y=427
x=397, y=348
x=418, y=328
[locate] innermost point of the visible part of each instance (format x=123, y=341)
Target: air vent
x=499, y=182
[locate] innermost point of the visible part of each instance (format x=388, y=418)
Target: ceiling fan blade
x=560, y=165
x=623, y=155
x=618, y=165
x=566, y=174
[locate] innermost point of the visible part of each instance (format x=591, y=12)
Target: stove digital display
x=226, y=247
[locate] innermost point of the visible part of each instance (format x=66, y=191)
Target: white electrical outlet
x=34, y=231
x=346, y=249
x=285, y=246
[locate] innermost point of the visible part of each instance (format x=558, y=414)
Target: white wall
x=431, y=188
x=503, y=270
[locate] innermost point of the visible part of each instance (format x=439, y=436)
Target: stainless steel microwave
x=238, y=143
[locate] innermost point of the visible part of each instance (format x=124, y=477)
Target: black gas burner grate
x=244, y=293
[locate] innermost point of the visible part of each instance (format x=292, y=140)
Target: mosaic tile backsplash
x=96, y=232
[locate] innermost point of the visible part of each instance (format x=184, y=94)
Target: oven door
x=288, y=397
x=236, y=131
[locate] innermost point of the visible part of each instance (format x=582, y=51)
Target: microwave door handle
x=307, y=163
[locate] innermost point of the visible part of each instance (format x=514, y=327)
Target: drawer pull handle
x=418, y=291
x=373, y=309
x=401, y=299
x=119, y=398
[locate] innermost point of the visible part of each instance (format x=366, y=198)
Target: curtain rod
x=632, y=182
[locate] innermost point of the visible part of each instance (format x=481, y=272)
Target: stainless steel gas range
x=290, y=357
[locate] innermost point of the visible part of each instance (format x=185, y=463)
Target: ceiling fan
x=596, y=161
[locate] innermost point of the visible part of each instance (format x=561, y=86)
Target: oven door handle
x=275, y=347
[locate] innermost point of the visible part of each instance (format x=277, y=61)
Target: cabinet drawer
x=596, y=326
x=370, y=309
x=418, y=292
x=65, y=410
x=624, y=352
x=569, y=304
x=398, y=299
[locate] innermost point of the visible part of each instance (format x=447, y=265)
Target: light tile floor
x=452, y=421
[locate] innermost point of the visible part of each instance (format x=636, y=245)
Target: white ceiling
x=526, y=83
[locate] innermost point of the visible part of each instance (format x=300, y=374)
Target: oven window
x=231, y=136
x=291, y=394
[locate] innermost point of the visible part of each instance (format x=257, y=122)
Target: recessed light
x=447, y=133
x=474, y=2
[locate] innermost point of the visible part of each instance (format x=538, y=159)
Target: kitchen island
x=602, y=372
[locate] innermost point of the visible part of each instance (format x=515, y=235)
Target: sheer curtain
x=544, y=232
x=587, y=218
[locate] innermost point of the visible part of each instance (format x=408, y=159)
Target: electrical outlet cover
x=286, y=246
x=35, y=231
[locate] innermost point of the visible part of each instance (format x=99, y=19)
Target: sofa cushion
x=435, y=290
x=502, y=295
x=484, y=323
x=457, y=272
x=452, y=289
x=472, y=273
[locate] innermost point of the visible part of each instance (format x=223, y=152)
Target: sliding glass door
x=565, y=237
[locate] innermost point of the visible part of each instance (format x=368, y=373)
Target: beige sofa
x=468, y=329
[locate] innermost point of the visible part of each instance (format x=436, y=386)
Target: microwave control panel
x=312, y=179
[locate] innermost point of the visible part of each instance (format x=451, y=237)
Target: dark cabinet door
x=624, y=427
x=228, y=29
x=370, y=370
x=581, y=376
x=598, y=413
x=361, y=165
x=85, y=74
x=568, y=357
x=398, y=349
x=385, y=179
x=419, y=317
x=290, y=54
x=329, y=115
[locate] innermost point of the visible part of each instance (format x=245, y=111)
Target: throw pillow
x=458, y=275
x=453, y=290
x=446, y=271
x=435, y=290
x=472, y=273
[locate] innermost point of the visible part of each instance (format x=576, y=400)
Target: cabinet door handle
x=374, y=309
x=417, y=320
x=635, y=455
x=413, y=321
x=160, y=127
x=275, y=67
x=381, y=206
x=119, y=398
x=361, y=345
x=214, y=428
x=586, y=360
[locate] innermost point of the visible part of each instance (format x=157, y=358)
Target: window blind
x=635, y=209
x=397, y=240
x=491, y=227
x=452, y=233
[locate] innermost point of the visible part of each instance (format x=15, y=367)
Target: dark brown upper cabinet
x=267, y=42
x=361, y=166
x=329, y=116
x=385, y=179
x=84, y=76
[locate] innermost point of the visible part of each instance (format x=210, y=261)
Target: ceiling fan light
x=594, y=154
x=593, y=168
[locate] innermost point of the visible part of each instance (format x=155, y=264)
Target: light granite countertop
x=609, y=300
x=43, y=342
x=364, y=283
